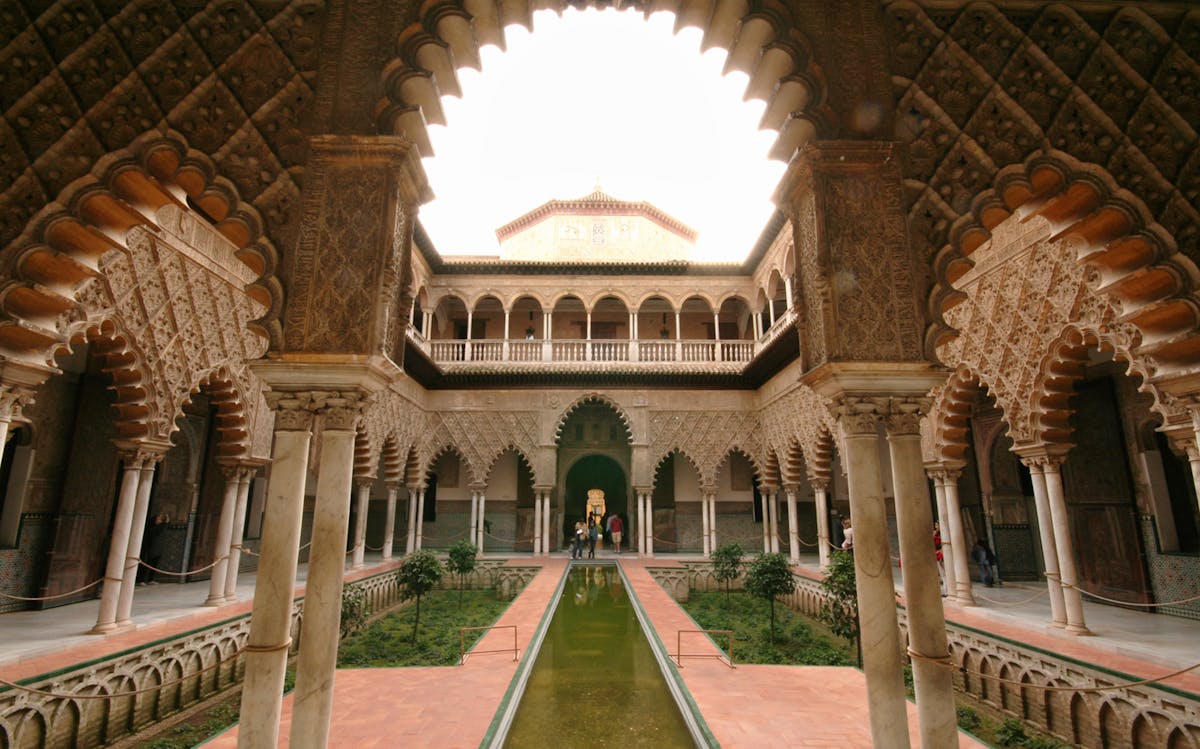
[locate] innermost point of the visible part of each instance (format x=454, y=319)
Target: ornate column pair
x=954, y=544
x=125, y=540
x=708, y=519
x=645, y=514
x=416, y=503
x=389, y=528
x=222, y=585
x=478, y=501
x=821, y=498
x=860, y=419
x=1054, y=532
x=542, y=520
x=793, y=525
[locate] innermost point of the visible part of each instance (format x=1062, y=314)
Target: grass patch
x=387, y=642
x=799, y=640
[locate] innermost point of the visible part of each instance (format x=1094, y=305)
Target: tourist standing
x=615, y=527
x=592, y=537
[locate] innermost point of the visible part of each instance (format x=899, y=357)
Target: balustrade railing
x=576, y=350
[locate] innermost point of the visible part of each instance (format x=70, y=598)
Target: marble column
x=821, y=498
x=765, y=500
x=1058, y=607
x=140, y=509
x=939, y=498
x=773, y=506
x=537, y=524
x=956, y=555
x=704, y=527
x=118, y=544
x=480, y=527
x=641, y=523
x=319, y=637
x=473, y=523
x=411, y=541
x=793, y=524
x=547, y=524
x=420, y=530
x=933, y=681
x=361, y=506
x=712, y=522
x=649, y=498
x=271, y=618
x=245, y=478
x=389, y=527
x=224, y=539
x=880, y=633
x=1064, y=546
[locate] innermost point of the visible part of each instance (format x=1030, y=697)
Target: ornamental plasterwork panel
x=391, y=415
x=706, y=437
x=1025, y=294
x=802, y=417
x=480, y=437
x=185, y=322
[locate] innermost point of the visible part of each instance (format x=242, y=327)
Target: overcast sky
x=601, y=97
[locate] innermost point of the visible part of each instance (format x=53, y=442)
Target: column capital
x=141, y=453
x=341, y=409
x=793, y=489
x=944, y=472
x=19, y=382
x=294, y=412
x=393, y=486
x=1047, y=458
x=478, y=486
x=859, y=415
x=363, y=482
x=904, y=415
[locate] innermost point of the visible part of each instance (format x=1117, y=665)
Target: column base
x=1080, y=630
x=215, y=601
x=1058, y=625
x=103, y=629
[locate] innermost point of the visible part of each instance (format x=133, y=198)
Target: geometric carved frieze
x=1027, y=304
x=706, y=438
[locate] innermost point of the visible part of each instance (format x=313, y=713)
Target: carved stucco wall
x=1026, y=297
x=985, y=86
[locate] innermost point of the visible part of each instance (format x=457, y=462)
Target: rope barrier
x=1021, y=602
x=57, y=595
x=945, y=662
x=149, y=566
x=1058, y=578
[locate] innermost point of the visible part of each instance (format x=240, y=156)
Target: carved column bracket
x=361, y=195
x=857, y=280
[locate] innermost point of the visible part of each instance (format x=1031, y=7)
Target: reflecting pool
x=596, y=682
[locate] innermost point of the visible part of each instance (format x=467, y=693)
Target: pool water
x=596, y=682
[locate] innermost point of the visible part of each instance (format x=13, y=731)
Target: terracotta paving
x=430, y=708
x=764, y=707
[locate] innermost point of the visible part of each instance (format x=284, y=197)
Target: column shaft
x=765, y=500
x=411, y=543
x=712, y=521
x=956, y=557
x=773, y=506
x=216, y=583
x=389, y=527
x=118, y=547
x=271, y=619
x=420, y=517
x=793, y=526
x=546, y=524
x=704, y=527
x=537, y=524
x=1066, y=550
x=245, y=477
x=1058, y=607
x=822, y=501
x=649, y=523
x=473, y=524
x=641, y=526
x=140, y=508
x=939, y=493
x=933, y=682
x=479, y=522
x=313, y=702
x=360, y=522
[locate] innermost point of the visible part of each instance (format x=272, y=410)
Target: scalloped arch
x=662, y=456
x=754, y=462
x=593, y=398
x=762, y=39
x=474, y=475
x=510, y=447
x=227, y=394
x=61, y=247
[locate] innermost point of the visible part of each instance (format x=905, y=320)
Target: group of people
x=587, y=534
x=981, y=554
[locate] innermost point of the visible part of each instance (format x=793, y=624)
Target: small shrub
x=840, y=609
x=727, y=563
x=1011, y=733
x=770, y=576
x=461, y=562
x=968, y=718
x=354, y=611
x=418, y=574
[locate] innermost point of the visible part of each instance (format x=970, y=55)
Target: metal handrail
x=462, y=642
x=679, y=654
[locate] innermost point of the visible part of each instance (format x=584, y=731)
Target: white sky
x=601, y=96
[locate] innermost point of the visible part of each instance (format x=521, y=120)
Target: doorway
x=590, y=473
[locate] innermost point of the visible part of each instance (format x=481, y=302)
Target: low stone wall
x=1139, y=717
x=173, y=674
